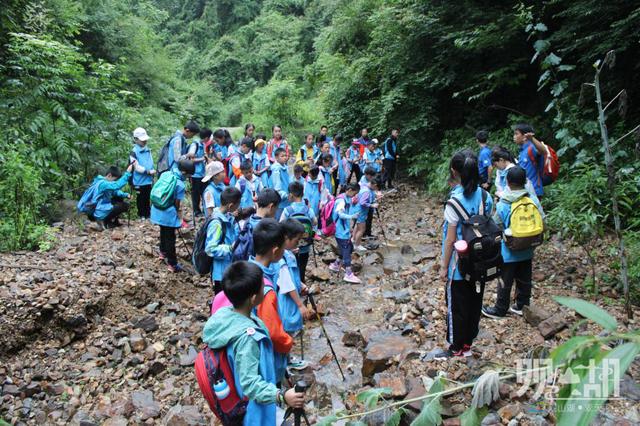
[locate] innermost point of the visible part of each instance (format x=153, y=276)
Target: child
x=484, y=159
x=531, y=156
x=261, y=163
x=280, y=179
x=249, y=348
x=221, y=234
x=390, y=149
x=211, y=194
x=353, y=159
x=307, y=153
x=292, y=310
x=268, y=201
x=169, y=220
x=327, y=169
x=143, y=172
x=366, y=201
x=373, y=156
x=178, y=141
x=339, y=173
x=206, y=136
x=277, y=142
x=219, y=146
x=268, y=243
x=196, y=154
x=249, y=185
x=299, y=207
x=110, y=199
x=343, y=212
x=517, y=264
x=313, y=189
x=236, y=159
x=464, y=298
x=298, y=173
x=503, y=160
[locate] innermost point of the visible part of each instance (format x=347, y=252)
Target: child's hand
x=306, y=313
x=375, y=205
x=443, y=274
x=529, y=135
x=152, y=172
x=294, y=399
x=130, y=168
x=304, y=290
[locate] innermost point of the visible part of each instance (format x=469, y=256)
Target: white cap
x=212, y=169
x=140, y=134
x=374, y=141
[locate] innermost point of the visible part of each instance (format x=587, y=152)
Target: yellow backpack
x=526, y=227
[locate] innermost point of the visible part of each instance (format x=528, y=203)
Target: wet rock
x=549, y=327
x=137, y=342
x=491, y=419
x=407, y=250
x=184, y=415
x=147, y=323
x=189, y=358
x=394, y=381
x=10, y=389
x=353, y=338
x=145, y=404
x=534, y=315
x=508, y=412
x=151, y=307
x=400, y=296
x=382, y=351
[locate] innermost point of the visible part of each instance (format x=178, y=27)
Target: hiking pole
x=184, y=242
x=298, y=413
x=301, y=344
x=315, y=308
x=384, y=235
x=315, y=256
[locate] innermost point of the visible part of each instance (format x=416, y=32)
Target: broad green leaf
x=473, y=416
x=541, y=45
x=552, y=59
x=589, y=310
x=430, y=414
x=395, y=418
x=579, y=410
x=540, y=27
x=327, y=421
x=370, y=397
x=356, y=423
x=559, y=355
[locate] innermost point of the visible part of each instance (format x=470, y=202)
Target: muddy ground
x=96, y=331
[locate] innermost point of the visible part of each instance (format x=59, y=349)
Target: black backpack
x=163, y=158
x=202, y=262
x=483, y=261
x=243, y=247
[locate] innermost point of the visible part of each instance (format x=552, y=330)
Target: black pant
x=521, y=273
x=168, y=244
x=197, y=188
x=336, y=182
x=302, y=259
x=143, y=203
x=389, y=172
x=367, y=230
x=119, y=207
x=217, y=287
x=355, y=168
x=464, y=305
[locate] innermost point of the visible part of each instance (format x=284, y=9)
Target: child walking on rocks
x=344, y=211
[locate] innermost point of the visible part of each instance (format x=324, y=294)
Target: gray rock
x=353, y=338
x=184, y=415
x=151, y=307
x=147, y=323
x=534, y=315
x=551, y=326
x=145, y=404
x=400, y=296
x=10, y=389
x=188, y=358
x=629, y=388
x=491, y=419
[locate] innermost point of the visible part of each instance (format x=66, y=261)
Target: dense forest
x=76, y=76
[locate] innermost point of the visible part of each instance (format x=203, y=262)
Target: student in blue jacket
x=344, y=211
x=390, y=149
x=484, y=159
x=143, y=172
x=197, y=155
x=110, y=202
x=531, y=156
x=280, y=178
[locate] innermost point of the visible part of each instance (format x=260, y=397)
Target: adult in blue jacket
x=110, y=202
x=390, y=149
x=143, y=172
x=531, y=156
x=178, y=144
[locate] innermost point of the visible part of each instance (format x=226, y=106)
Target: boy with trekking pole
x=304, y=214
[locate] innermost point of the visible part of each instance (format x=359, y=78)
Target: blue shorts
x=362, y=217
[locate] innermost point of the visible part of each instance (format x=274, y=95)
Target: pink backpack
x=219, y=301
x=327, y=224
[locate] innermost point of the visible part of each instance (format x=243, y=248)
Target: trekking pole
x=315, y=308
x=301, y=344
x=184, y=242
x=315, y=256
x=381, y=227
x=298, y=413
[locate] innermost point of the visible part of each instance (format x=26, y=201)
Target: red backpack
x=327, y=224
x=551, y=166
x=212, y=366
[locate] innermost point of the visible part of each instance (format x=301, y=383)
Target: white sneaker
x=361, y=248
x=350, y=277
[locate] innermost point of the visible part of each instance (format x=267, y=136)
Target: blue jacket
x=337, y=156
x=388, y=154
x=176, y=147
x=371, y=158
x=250, y=189
x=211, y=194
x=106, y=191
x=199, y=172
x=280, y=179
x=287, y=308
x=343, y=212
x=328, y=179
x=472, y=206
x=215, y=247
x=313, y=193
x=366, y=197
x=260, y=161
x=169, y=217
x=503, y=216
x=484, y=161
x=533, y=168
x=142, y=154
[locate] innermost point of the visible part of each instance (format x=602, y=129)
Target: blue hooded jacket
x=144, y=159
x=106, y=191
x=215, y=247
x=280, y=179
x=287, y=308
x=313, y=193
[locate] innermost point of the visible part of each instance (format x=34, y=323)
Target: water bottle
x=461, y=248
x=221, y=389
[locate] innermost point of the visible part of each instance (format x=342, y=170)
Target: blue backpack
x=243, y=247
x=89, y=200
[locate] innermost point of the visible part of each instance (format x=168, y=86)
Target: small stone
x=147, y=323
x=401, y=296
x=184, y=415
x=534, y=315
x=188, y=358
x=508, y=412
x=394, y=381
x=380, y=352
x=353, y=338
x=145, y=404
x=32, y=389
x=151, y=307
x=156, y=368
x=137, y=342
x=159, y=347
x=116, y=421
x=416, y=389
x=549, y=327
x=10, y=390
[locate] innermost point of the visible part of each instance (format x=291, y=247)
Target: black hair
x=247, y=141
x=296, y=189
x=377, y=181
x=482, y=136
x=247, y=126
x=274, y=127
x=246, y=165
x=523, y=128
x=241, y=281
x=326, y=157
x=307, y=135
x=314, y=171
x=279, y=151
x=218, y=134
x=261, y=136
x=227, y=137
x=230, y=195
x=292, y=228
x=338, y=137
x=517, y=176
x=370, y=171
x=501, y=153
x=205, y=133
x=353, y=187
x=267, y=235
x=192, y=126
x=298, y=169
x=268, y=196
x=323, y=127
x=465, y=163
x=114, y=171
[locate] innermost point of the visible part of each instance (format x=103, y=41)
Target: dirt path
x=100, y=333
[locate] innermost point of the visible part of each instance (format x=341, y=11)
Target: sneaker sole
x=515, y=311
x=492, y=316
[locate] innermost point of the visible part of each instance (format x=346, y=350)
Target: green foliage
x=590, y=311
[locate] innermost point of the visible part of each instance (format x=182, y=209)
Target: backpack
x=551, y=166
x=483, y=261
x=202, y=262
x=327, y=224
x=303, y=218
x=212, y=367
x=162, y=192
x=89, y=200
x=243, y=247
x=163, y=158
x=526, y=227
